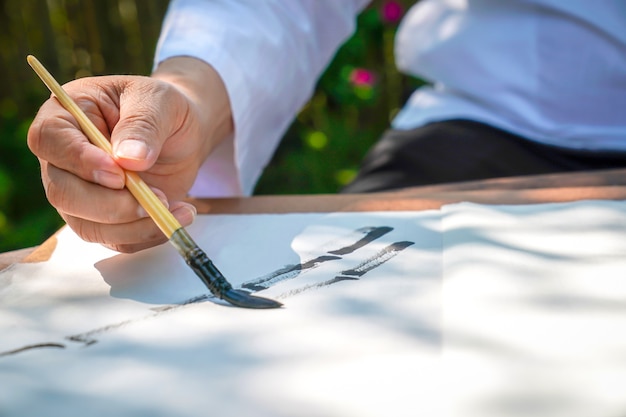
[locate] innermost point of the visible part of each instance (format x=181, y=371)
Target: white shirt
x=553, y=71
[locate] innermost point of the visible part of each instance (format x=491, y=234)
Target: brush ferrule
x=200, y=263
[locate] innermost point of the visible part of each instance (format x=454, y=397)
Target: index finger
x=56, y=137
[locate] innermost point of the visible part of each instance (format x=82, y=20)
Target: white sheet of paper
x=491, y=311
x=110, y=334
x=534, y=310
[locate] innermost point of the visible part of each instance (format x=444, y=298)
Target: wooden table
x=603, y=185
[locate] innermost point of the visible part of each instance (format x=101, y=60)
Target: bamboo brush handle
x=139, y=189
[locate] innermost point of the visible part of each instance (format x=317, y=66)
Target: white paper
x=534, y=310
x=490, y=311
x=110, y=334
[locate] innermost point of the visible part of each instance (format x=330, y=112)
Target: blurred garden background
x=353, y=103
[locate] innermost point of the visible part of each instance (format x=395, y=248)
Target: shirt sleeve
x=269, y=54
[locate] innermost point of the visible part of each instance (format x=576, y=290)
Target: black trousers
x=463, y=150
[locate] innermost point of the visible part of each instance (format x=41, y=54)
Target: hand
x=163, y=127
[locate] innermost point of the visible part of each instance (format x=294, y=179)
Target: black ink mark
x=30, y=347
x=315, y=286
x=373, y=233
x=378, y=259
x=87, y=338
x=191, y=300
x=352, y=274
x=287, y=272
x=291, y=271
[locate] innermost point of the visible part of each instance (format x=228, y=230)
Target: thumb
x=141, y=130
x=134, y=153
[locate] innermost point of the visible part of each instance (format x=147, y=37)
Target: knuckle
x=40, y=132
x=155, y=235
x=87, y=231
x=55, y=195
x=58, y=194
x=34, y=134
x=118, y=248
x=141, y=125
x=124, y=248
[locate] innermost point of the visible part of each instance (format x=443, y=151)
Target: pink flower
x=361, y=77
x=391, y=11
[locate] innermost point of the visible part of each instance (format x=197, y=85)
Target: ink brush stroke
x=177, y=235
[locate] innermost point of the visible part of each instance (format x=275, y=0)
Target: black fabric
x=463, y=150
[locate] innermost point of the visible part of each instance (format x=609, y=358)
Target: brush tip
x=243, y=299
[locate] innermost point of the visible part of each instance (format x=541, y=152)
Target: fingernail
x=185, y=214
x=108, y=179
x=132, y=149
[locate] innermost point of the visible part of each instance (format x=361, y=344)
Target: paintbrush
x=177, y=235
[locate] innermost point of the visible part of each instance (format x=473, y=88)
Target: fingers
x=148, y=122
x=125, y=237
x=55, y=137
x=107, y=216
x=129, y=237
x=144, y=125
x=74, y=196
x=139, y=114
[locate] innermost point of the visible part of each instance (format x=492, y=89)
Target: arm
x=205, y=103
x=269, y=54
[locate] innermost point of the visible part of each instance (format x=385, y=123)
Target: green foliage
x=74, y=38
x=25, y=216
x=353, y=103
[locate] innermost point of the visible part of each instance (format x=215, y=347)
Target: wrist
x=204, y=88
